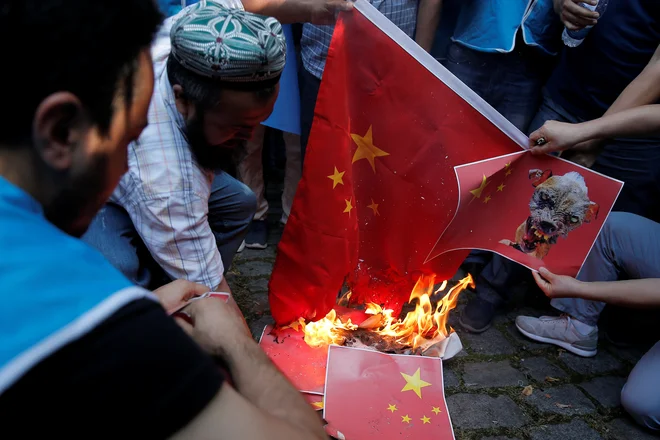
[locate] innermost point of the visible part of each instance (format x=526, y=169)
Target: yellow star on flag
x=477, y=192
x=436, y=410
x=391, y=408
x=501, y=187
x=337, y=178
x=405, y=419
x=318, y=405
x=507, y=168
x=349, y=206
x=414, y=383
x=366, y=149
x=487, y=199
x=374, y=207
x=425, y=420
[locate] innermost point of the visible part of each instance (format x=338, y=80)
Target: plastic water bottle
x=575, y=38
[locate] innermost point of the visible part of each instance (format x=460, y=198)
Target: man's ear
x=538, y=177
x=59, y=127
x=182, y=103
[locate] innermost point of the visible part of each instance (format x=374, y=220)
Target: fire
x=426, y=322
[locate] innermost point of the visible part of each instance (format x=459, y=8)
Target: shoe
x=241, y=247
x=560, y=331
x=477, y=316
x=257, y=235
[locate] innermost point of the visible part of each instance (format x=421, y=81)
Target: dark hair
x=86, y=47
x=206, y=93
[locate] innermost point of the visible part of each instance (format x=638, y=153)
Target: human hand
x=555, y=136
x=557, y=286
x=575, y=16
x=324, y=12
x=176, y=294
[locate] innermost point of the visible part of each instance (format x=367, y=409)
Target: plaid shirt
x=165, y=192
x=316, y=39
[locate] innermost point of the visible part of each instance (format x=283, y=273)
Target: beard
x=222, y=157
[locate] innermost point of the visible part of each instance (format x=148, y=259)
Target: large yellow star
x=349, y=206
x=477, y=192
x=425, y=420
x=436, y=410
x=366, y=149
x=317, y=405
x=391, y=408
x=374, y=207
x=337, y=178
x=414, y=383
x=405, y=419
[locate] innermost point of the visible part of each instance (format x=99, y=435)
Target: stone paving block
x=627, y=429
x=499, y=437
x=450, y=378
x=492, y=374
x=257, y=326
x=565, y=400
x=255, y=268
x=630, y=354
x=257, y=285
x=525, y=342
x=251, y=254
x=606, y=390
x=603, y=362
x=490, y=342
x=539, y=368
x=576, y=429
x=478, y=411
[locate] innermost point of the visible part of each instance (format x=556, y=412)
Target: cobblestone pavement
x=572, y=397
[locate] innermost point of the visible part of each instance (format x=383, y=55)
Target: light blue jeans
x=231, y=208
x=628, y=247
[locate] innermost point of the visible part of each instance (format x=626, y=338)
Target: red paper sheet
x=373, y=395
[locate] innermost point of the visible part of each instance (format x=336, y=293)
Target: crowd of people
x=131, y=174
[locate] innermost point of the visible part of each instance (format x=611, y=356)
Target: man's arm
x=630, y=293
x=299, y=11
x=428, y=17
x=264, y=402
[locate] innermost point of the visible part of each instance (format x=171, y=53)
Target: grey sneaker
x=559, y=330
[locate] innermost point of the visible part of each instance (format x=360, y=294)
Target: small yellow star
x=337, y=178
x=487, y=199
x=349, y=206
x=507, y=165
x=477, y=192
x=405, y=419
x=425, y=420
x=436, y=410
x=508, y=172
x=414, y=383
x=366, y=149
x=501, y=187
x=391, y=408
x=374, y=207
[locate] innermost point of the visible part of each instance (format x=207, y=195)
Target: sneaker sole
x=565, y=345
x=472, y=329
x=256, y=246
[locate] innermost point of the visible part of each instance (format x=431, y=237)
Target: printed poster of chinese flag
x=540, y=211
x=378, y=185
x=408, y=401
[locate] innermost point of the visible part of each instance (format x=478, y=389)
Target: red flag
x=407, y=403
x=378, y=184
x=540, y=210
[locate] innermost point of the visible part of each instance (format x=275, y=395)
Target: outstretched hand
x=176, y=294
x=557, y=286
x=325, y=12
x=575, y=16
x=555, y=136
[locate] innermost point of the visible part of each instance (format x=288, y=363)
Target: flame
x=424, y=323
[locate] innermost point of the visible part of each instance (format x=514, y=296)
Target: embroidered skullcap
x=229, y=45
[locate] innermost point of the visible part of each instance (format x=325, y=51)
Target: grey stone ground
x=572, y=397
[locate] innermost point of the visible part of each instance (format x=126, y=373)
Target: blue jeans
x=628, y=247
x=231, y=208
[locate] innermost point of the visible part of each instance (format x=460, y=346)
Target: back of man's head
x=80, y=46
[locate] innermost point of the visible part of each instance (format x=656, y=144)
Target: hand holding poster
x=540, y=211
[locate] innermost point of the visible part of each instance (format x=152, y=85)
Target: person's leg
x=639, y=395
x=113, y=234
x=628, y=247
x=472, y=68
x=232, y=206
x=292, y=173
x=309, y=89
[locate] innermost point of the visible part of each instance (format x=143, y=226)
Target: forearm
x=630, y=293
x=223, y=286
x=428, y=17
x=285, y=11
x=259, y=381
x=638, y=121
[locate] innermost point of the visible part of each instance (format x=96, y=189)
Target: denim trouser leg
x=232, y=206
x=628, y=247
x=113, y=234
x=639, y=395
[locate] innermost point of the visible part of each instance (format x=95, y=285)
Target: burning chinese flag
x=408, y=401
x=378, y=184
